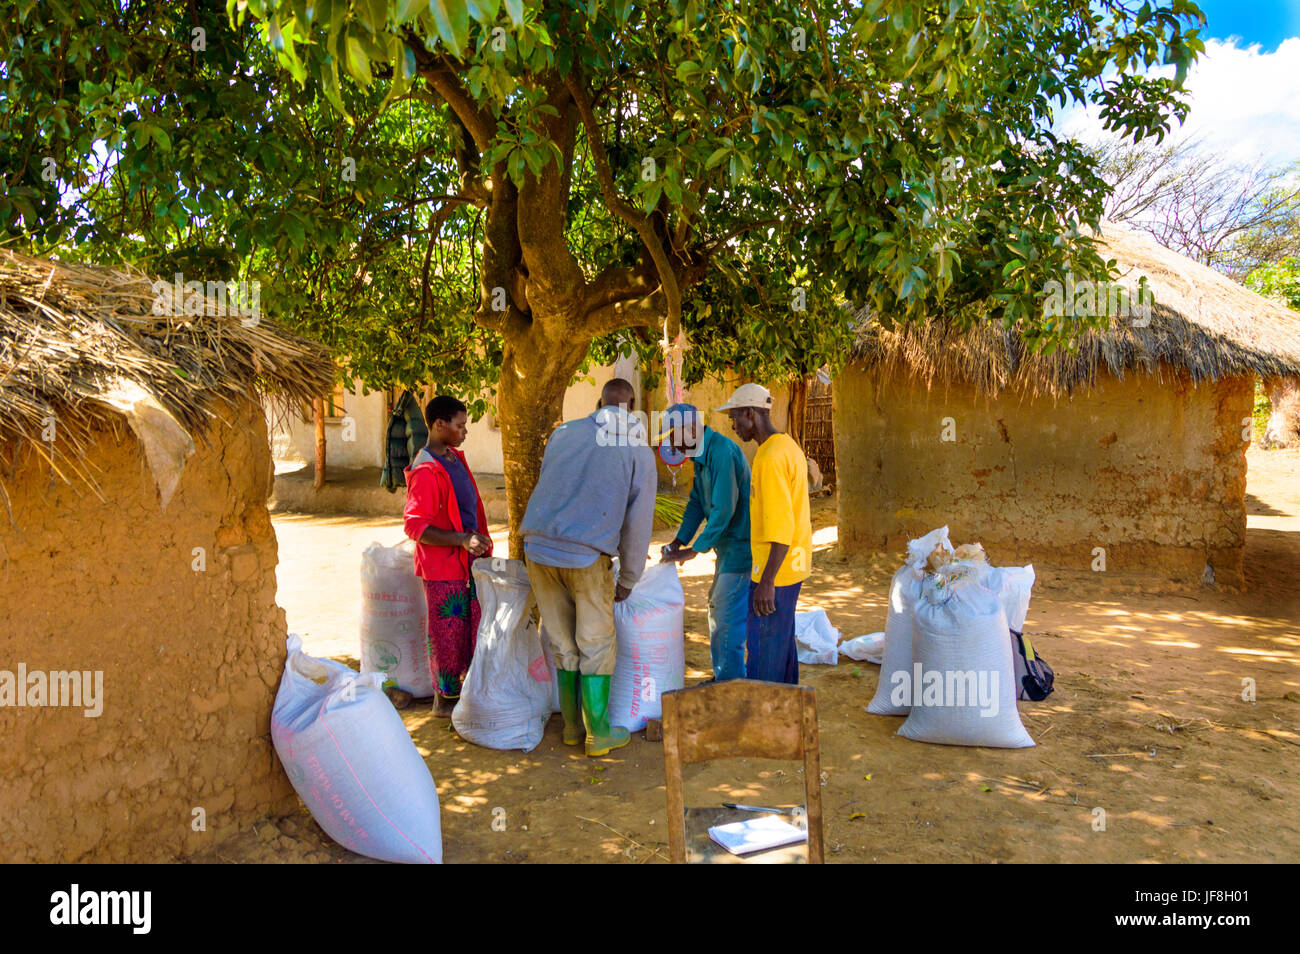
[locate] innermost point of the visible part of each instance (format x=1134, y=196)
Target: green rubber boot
x=574, y=732
x=601, y=736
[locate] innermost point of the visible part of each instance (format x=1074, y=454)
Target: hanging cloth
x=674, y=393
x=406, y=435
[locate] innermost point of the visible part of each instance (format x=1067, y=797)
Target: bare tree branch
x=1230, y=216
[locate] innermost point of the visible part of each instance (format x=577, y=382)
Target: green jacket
x=719, y=499
x=406, y=435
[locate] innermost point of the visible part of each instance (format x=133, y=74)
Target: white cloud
x=1245, y=103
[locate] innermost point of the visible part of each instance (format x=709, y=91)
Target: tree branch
x=638, y=312
x=541, y=214
x=672, y=295
x=439, y=73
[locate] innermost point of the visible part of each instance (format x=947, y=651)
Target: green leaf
x=652, y=194
x=358, y=63
x=716, y=157
x=373, y=13
x=515, y=10
x=410, y=9
x=452, y=18
x=296, y=231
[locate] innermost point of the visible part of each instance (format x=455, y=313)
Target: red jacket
x=431, y=502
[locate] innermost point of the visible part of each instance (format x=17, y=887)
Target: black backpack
x=1034, y=677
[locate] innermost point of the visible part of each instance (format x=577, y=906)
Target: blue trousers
x=728, y=624
x=770, y=639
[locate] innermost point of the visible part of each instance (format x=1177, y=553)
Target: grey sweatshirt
x=596, y=494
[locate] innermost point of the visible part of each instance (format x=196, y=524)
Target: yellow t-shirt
x=778, y=509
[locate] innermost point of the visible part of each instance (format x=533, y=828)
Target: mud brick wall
x=191, y=658
x=1152, y=469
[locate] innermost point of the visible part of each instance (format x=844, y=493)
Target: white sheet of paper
x=756, y=834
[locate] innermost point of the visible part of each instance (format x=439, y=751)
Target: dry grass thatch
x=1202, y=323
x=70, y=333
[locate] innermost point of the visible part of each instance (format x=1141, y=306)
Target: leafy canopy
x=605, y=165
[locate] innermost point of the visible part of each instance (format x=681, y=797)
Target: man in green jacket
x=720, y=500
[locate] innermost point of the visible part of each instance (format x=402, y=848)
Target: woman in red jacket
x=444, y=516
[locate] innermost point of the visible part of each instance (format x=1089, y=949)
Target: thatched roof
x=80, y=346
x=1201, y=322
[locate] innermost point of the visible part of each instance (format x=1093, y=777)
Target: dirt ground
x=1147, y=724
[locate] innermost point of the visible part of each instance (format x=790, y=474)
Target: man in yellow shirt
x=780, y=536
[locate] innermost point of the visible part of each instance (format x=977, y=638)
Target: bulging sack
x=816, y=641
x=1013, y=584
x=352, y=762
x=903, y=592
x=394, y=618
x=650, y=658
x=868, y=648
x=1032, y=674
x=507, y=695
x=962, y=687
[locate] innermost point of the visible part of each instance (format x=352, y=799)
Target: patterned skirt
x=453, y=632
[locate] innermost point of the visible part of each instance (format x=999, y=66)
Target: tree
x=162, y=136
x=1280, y=280
x=1231, y=216
x=637, y=166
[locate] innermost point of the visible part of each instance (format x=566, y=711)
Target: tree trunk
x=530, y=403
x=1283, y=428
x=796, y=408
x=318, y=422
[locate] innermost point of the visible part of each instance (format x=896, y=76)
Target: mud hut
x=142, y=645
x=1125, y=456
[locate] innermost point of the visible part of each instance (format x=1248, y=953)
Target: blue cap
x=679, y=415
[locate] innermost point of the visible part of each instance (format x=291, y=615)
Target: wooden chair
x=739, y=718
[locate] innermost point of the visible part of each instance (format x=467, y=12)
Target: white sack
x=1014, y=584
x=816, y=640
x=868, y=648
x=962, y=685
x=394, y=618
x=352, y=762
x=506, y=698
x=903, y=592
x=650, y=657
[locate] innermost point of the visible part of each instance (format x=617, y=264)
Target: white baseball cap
x=749, y=395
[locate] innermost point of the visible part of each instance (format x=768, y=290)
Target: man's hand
x=621, y=592
x=476, y=543
x=764, y=598
x=679, y=554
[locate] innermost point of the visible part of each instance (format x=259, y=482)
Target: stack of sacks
x=903, y=592
x=949, y=659
x=962, y=682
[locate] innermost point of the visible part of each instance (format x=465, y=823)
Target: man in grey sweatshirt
x=595, y=498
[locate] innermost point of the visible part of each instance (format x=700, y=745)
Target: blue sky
x=1244, y=89
x=1266, y=22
